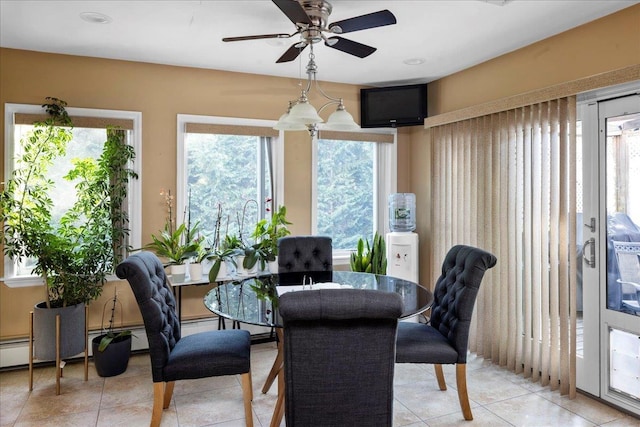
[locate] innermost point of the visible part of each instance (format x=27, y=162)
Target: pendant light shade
x=341, y=120
x=285, y=124
x=304, y=113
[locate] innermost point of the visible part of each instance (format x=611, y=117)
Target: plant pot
x=114, y=359
x=178, y=273
x=240, y=270
x=195, y=271
x=272, y=266
x=72, y=331
x=223, y=272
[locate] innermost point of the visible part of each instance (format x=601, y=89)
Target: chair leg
x=463, y=397
x=168, y=394
x=158, y=401
x=440, y=376
x=247, y=394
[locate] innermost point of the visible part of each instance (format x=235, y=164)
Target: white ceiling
x=450, y=35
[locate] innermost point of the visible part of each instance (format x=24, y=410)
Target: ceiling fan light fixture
x=304, y=113
x=284, y=124
x=341, y=119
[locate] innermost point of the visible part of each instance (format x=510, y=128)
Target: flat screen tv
x=393, y=106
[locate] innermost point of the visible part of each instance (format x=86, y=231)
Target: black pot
x=114, y=359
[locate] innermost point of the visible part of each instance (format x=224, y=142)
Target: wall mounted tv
x=393, y=106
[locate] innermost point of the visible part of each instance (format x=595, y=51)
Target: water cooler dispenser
x=401, y=241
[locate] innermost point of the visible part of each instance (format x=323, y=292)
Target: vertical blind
x=505, y=182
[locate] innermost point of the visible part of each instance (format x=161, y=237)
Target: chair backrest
x=300, y=256
x=154, y=295
x=628, y=257
x=455, y=294
x=339, y=356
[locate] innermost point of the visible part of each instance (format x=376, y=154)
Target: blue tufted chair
x=173, y=357
x=339, y=352
x=444, y=340
x=299, y=256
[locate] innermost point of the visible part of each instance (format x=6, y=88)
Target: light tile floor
x=499, y=398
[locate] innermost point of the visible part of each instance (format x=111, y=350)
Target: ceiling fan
x=311, y=18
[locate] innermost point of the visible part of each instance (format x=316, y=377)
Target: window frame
x=134, y=198
x=277, y=149
x=386, y=183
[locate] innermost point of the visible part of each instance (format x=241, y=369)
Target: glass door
x=610, y=134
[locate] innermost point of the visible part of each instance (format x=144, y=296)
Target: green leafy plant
x=266, y=235
x=75, y=253
x=373, y=260
x=177, y=245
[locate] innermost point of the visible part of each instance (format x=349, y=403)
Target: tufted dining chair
x=444, y=339
x=300, y=256
x=176, y=357
x=339, y=356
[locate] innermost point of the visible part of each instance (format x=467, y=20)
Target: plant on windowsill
x=111, y=349
x=373, y=260
x=266, y=235
x=73, y=254
x=177, y=245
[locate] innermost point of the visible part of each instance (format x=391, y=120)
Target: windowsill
x=32, y=281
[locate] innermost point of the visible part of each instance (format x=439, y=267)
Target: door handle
x=591, y=260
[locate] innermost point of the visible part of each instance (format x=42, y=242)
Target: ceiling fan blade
x=291, y=53
x=349, y=46
x=257, y=37
x=362, y=22
x=294, y=11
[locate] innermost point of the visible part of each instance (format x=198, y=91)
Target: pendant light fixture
x=301, y=115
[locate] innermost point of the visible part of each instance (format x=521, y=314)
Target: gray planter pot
x=72, y=331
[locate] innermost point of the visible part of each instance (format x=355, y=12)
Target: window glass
x=86, y=142
x=227, y=172
x=346, y=197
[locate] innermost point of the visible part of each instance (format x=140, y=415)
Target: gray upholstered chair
x=300, y=256
x=174, y=357
x=339, y=350
x=444, y=340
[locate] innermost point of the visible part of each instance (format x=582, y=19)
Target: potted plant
x=75, y=253
x=177, y=246
x=266, y=234
x=373, y=260
x=111, y=349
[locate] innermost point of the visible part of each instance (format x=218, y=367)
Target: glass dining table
x=254, y=300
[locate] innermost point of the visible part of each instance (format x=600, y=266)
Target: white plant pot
x=272, y=266
x=222, y=273
x=178, y=273
x=240, y=271
x=195, y=271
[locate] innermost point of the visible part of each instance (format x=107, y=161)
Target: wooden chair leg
x=440, y=376
x=158, y=401
x=463, y=397
x=247, y=395
x=278, y=411
x=31, y=351
x=168, y=393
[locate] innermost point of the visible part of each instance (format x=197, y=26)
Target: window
x=89, y=135
x=353, y=175
x=226, y=170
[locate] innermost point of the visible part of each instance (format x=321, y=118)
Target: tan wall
x=160, y=93
x=607, y=44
